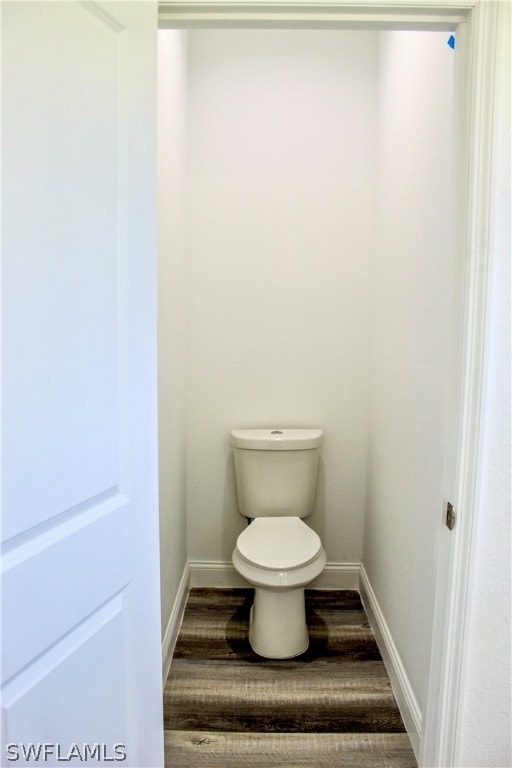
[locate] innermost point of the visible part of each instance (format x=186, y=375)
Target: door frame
x=475, y=22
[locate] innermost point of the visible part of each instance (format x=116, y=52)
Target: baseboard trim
x=214, y=573
x=174, y=623
x=217, y=573
x=338, y=576
x=406, y=700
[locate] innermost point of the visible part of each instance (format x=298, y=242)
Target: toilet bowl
x=278, y=554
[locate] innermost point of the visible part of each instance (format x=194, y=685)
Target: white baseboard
x=174, y=623
x=338, y=576
x=400, y=682
x=216, y=573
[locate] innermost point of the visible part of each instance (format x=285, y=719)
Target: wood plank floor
x=332, y=707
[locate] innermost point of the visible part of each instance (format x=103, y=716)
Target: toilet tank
x=275, y=471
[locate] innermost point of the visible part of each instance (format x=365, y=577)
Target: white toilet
x=275, y=471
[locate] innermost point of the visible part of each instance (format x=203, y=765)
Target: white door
x=81, y=658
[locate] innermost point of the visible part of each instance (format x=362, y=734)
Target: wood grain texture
x=210, y=749
x=332, y=706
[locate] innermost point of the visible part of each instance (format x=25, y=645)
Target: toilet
x=278, y=554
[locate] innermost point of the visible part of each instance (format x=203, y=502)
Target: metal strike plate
x=450, y=516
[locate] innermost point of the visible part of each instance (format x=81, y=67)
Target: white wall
x=280, y=210
x=411, y=339
x=171, y=312
x=484, y=729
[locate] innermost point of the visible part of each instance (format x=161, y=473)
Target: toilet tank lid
x=276, y=439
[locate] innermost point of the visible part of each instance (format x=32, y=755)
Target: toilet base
x=278, y=627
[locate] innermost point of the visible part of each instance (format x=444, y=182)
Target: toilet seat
x=278, y=543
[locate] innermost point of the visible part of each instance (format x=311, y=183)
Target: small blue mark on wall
x=451, y=41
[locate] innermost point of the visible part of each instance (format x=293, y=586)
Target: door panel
x=81, y=658
x=97, y=644
x=85, y=560
x=63, y=230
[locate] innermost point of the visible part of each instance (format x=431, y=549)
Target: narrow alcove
x=307, y=279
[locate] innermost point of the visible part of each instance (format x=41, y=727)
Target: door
x=81, y=655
